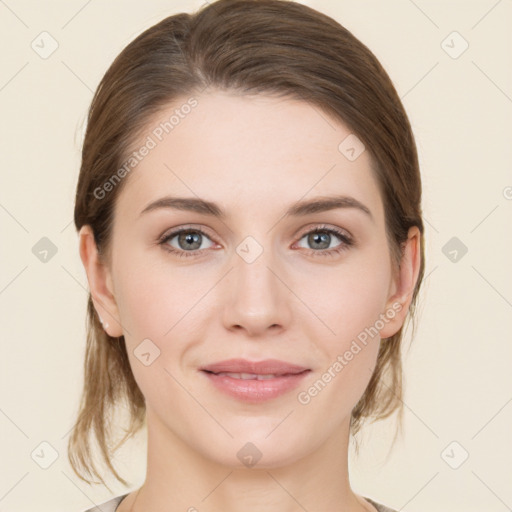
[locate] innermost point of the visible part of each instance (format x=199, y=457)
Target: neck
x=180, y=478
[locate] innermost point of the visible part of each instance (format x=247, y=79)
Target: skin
x=254, y=156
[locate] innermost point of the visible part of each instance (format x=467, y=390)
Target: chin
x=257, y=451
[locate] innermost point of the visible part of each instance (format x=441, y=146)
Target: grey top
x=111, y=505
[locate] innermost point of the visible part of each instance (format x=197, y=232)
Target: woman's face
x=251, y=281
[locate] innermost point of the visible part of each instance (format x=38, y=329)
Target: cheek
x=347, y=299
x=160, y=310
x=351, y=309
x=155, y=298
x=152, y=317
x=345, y=327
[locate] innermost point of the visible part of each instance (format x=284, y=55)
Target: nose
x=258, y=300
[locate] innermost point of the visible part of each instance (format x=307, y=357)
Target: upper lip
x=266, y=367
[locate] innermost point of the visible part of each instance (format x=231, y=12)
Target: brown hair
x=276, y=47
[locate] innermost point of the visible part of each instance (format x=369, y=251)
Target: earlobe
x=400, y=300
x=100, y=283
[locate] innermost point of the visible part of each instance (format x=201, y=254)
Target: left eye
x=322, y=238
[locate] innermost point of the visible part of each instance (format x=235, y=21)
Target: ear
x=100, y=283
x=403, y=284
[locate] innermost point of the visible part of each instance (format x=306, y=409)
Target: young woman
x=249, y=217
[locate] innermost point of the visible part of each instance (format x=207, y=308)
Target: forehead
x=240, y=150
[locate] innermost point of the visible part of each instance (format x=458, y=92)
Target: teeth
x=248, y=376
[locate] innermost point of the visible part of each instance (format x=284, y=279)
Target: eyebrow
x=298, y=209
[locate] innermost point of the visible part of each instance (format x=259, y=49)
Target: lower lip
x=255, y=391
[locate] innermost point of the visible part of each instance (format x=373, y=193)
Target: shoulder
x=108, y=506
x=379, y=507
x=112, y=504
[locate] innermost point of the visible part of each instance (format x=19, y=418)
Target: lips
x=254, y=382
x=251, y=369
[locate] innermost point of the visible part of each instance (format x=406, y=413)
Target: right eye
x=189, y=242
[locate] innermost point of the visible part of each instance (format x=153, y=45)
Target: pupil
x=189, y=239
x=320, y=238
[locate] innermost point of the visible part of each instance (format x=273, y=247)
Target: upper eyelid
x=187, y=227
x=324, y=227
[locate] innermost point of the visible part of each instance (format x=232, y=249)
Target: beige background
x=458, y=379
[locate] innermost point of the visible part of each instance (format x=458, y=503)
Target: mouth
x=253, y=376
x=243, y=366
x=254, y=382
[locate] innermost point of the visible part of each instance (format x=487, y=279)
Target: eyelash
x=346, y=241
